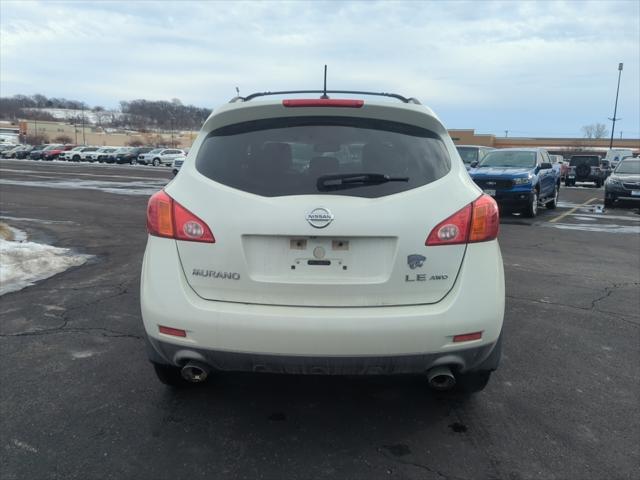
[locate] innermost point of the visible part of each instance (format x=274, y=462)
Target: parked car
x=6, y=146
x=38, y=154
x=624, y=182
x=26, y=151
x=105, y=154
x=585, y=168
x=11, y=152
x=93, y=156
x=131, y=156
x=75, y=154
x=54, y=153
x=472, y=153
x=177, y=164
x=519, y=179
x=85, y=153
x=160, y=156
x=323, y=265
x=615, y=155
x=562, y=166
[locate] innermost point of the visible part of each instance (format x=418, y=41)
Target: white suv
x=161, y=156
x=323, y=236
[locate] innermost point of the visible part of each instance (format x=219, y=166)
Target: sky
x=543, y=68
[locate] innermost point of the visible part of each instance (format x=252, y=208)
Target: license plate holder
x=635, y=193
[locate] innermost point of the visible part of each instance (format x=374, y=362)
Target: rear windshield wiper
x=342, y=181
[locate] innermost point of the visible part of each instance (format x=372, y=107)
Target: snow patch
x=121, y=188
x=606, y=228
x=23, y=263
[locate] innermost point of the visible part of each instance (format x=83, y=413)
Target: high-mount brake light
x=323, y=102
x=167, y=218
x=477, y=222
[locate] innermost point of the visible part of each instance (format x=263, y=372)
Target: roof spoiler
x=324, y=95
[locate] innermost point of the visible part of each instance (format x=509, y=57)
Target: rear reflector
x=467, y=337
x=323, y=102
x=176, y=332
x=477, y=222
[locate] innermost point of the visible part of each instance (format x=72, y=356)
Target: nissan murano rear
x=323, y=236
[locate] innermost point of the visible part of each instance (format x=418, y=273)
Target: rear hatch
x=286, y=234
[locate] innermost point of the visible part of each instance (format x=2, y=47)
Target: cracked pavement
x=78, y=399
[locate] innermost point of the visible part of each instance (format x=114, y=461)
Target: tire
x=76, y=158
x=531, y=210
x=133, y=161
x=567, y=183
x=609, y=202
x=170, y=375
x=156, y=162
x=554, y=203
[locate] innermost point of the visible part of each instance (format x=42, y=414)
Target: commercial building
x=91, y=134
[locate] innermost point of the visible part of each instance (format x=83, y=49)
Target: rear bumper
x=469, y=359
x=235, y=335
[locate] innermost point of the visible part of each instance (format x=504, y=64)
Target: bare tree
x=135, y=143
x=66, y=139
x=595, y=131
x=36, y=139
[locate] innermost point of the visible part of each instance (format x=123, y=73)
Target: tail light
x=323, y=102
x=167, y=218
x=477, y=222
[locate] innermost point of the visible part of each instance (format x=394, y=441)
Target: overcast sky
x=534, y=68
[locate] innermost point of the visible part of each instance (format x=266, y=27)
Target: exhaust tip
x=441, y=378
x=195, y=372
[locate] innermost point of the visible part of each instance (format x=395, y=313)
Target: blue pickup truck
x=519, y=179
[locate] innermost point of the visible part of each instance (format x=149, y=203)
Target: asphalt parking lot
x=78, y=399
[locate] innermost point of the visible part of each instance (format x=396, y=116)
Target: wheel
x=76, y=158
x=532, y=209
x=133, y=161
x=156, y=162
x=567, y=183
x=553, y=203
x=170, y=375
x=608, y=202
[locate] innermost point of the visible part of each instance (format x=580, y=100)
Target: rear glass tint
x=286, y=156
x=584, y=159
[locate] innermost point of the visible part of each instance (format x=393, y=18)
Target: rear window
x=509, y=158
x=584, y=159
x=468, y=154
x=286, y=156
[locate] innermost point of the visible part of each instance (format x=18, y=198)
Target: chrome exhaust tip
x=195, y=372
x=440, y=378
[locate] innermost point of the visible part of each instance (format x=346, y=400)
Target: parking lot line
x=559, y=217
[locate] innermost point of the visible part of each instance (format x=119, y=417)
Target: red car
x=55, y=153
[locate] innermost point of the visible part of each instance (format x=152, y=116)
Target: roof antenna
x=324, y=93
x=237, y=91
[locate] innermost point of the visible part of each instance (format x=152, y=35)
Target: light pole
x=84, y=142
x=615, y=108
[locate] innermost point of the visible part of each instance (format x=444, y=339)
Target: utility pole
x=84, y=142
x=615, y=108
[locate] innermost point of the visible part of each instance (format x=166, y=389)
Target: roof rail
x=355, y=92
